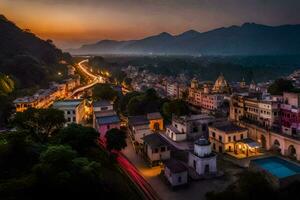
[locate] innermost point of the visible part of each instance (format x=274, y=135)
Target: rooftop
x=202, y=142
x=155, y=115
x=108, y=119
x=228, y=127
x=68, y=103
x=173, y=129
x=155, y=140
x=138, y=120
x=102, y=103
x=175, y=166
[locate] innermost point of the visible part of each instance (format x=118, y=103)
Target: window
x=163, y=149
x=234, y=138
x=68, y=112
x=74, y=119
x=69, y=119
x=242, y=136
x=179, y=179
x=213, y=134
x=229, y=138
x=220, y=138
x=204, y=127
x=175, y=125
x=74, y=112
x=156, y=150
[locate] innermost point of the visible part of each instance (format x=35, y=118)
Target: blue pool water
x=278, y=167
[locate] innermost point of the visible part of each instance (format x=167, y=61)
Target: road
x=94, y=78
x=133, y=173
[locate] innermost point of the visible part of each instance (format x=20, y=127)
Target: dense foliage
x=70, y=165
x=104, y=92
x=234, y=68
x=254, y=186
x=176, y=107
x=115, y=139
x=42, y=123
x=281, y=85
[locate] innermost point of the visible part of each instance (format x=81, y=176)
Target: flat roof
x=175, y=166
x=155, y=140
x=71, y=103
x=108, y=119
x=155, y=115
x=102, y=103
x=175, y=130
x=228, y=127
x=138, y=120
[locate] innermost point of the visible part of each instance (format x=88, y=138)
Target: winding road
x=95, y=79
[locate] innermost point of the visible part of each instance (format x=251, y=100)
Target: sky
x=71, y=23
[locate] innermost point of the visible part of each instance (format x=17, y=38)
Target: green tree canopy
x=176, y=107
x=78, y=137
x=116, y=139
x=105, y=92
x=279, y=86
x=41, y=122
x=145, y=103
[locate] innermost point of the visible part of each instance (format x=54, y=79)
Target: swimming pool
x=277, y=166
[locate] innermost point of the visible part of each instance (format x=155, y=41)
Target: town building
x=202, y=159
x=105, y=121
x=224, y=137
x=156, y=121
x=206, y=96
x=74, y=110
x=104, y=118
x=189, y=127
x=156, y=149
x=176, y=173
x=139, y=127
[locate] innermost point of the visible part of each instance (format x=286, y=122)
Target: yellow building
x=156, y=122
x=229, y=138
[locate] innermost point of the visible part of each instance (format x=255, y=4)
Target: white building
x=176, y=173
x=189, y=127
x=74, y=110
x=156, y=148
x=203, y=160
x=139, y=127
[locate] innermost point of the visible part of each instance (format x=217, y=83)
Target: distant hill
x=248, y=39
x=28, y=59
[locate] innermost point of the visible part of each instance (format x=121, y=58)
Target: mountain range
x=247, y=39
x=27, y=59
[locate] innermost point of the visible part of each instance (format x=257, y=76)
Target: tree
x=5, y=108
x=116, y=139
x=124, y=101
x=41, y=122
x=145, y=103
x=176, y=107
x=104, y=92
x=279, y=86
x=78, y=137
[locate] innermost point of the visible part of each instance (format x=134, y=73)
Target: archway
x=263, y=141
x=276, y=146
x=156, y=126
x=292, y=152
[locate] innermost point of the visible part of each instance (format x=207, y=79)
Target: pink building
x=290, y=113
x=105, y=123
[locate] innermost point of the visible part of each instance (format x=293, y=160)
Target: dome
x=221, y=85
x=202, y=148
x=202, y=142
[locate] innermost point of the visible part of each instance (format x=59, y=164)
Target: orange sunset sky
x=71, y=23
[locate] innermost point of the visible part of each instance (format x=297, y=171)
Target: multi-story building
x=139, y=127
x=262, y=112
x=273, y=123
x=207, y=96
x=74, y=110
x=189, y=127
